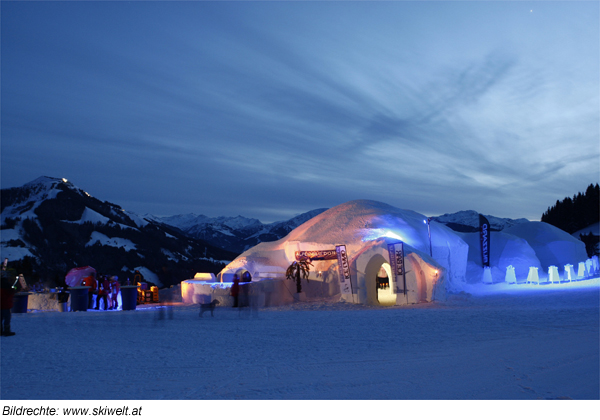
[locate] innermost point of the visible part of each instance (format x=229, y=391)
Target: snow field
x=503, y=346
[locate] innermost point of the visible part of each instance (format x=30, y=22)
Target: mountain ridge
x=468, y=221
x=50, y=226
x=235, y=233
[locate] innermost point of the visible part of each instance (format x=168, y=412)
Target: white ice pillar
x=487, y=275
x=588, y=267
x=533, y=276
x=510, y=275
x=595, y=263
x=581, y=270
x=569, y=274
x=553, y=276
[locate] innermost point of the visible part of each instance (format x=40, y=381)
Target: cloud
x=239, y=106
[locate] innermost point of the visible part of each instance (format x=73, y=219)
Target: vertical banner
x=396, y=252
x=344, y=269
x=484, y=239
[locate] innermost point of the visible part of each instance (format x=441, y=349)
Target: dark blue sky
x=270, y=109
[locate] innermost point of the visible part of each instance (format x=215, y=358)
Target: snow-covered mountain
x=49, y=226
x=234, y=233
x=468, y=221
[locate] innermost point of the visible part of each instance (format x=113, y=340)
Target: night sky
x=271, y=109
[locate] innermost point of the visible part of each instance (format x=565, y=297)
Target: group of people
x=105, y=289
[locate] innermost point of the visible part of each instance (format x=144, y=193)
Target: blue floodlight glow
x=381, y=233
x=390, y=234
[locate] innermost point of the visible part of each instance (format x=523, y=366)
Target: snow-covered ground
x=496, y=342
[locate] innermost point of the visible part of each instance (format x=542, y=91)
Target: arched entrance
x=377, y=266
x=385, y=286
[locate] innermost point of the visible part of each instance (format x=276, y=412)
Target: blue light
x=381, y=233
x=390, y=234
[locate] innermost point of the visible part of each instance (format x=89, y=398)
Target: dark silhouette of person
x=63, y=295
x=235, y=290
x=114, y=292
x=103, y=290
x=91, y=282
x=7, y=293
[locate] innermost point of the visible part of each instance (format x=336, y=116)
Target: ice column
x=595, y=263
x=510, y=275
x=581, y=270
x=533, y=276
x=487, y=275
x=569, y=274
x=553, y=274
x=588, y=266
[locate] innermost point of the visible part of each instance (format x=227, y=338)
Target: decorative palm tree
x=297, y=269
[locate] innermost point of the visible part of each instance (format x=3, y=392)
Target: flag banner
x=396, y=254
x=484, y=239
x=317, y=255
x=344, y=269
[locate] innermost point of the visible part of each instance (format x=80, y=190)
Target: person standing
x=103, y=291
x=7, y=292
x=63, y=298
x=114, y=292
x=91, y=282
x=235, y=290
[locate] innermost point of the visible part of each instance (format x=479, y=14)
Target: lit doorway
x=385, y=286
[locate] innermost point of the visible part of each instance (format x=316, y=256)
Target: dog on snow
x=208, y=307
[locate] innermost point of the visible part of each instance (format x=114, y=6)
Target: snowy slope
x=593, y=229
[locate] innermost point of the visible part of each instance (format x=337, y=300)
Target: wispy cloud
x=293, y=106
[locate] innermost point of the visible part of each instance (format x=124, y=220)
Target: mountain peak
x=47, y=182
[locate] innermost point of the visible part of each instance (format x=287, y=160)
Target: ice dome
x=552, y=245
x=365, y=228
x=505, y=250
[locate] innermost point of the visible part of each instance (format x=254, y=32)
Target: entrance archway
x=378, y=265
x=385, y=286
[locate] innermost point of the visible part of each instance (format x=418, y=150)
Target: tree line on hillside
x=579, y=212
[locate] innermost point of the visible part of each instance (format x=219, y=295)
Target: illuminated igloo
x=366, y=229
